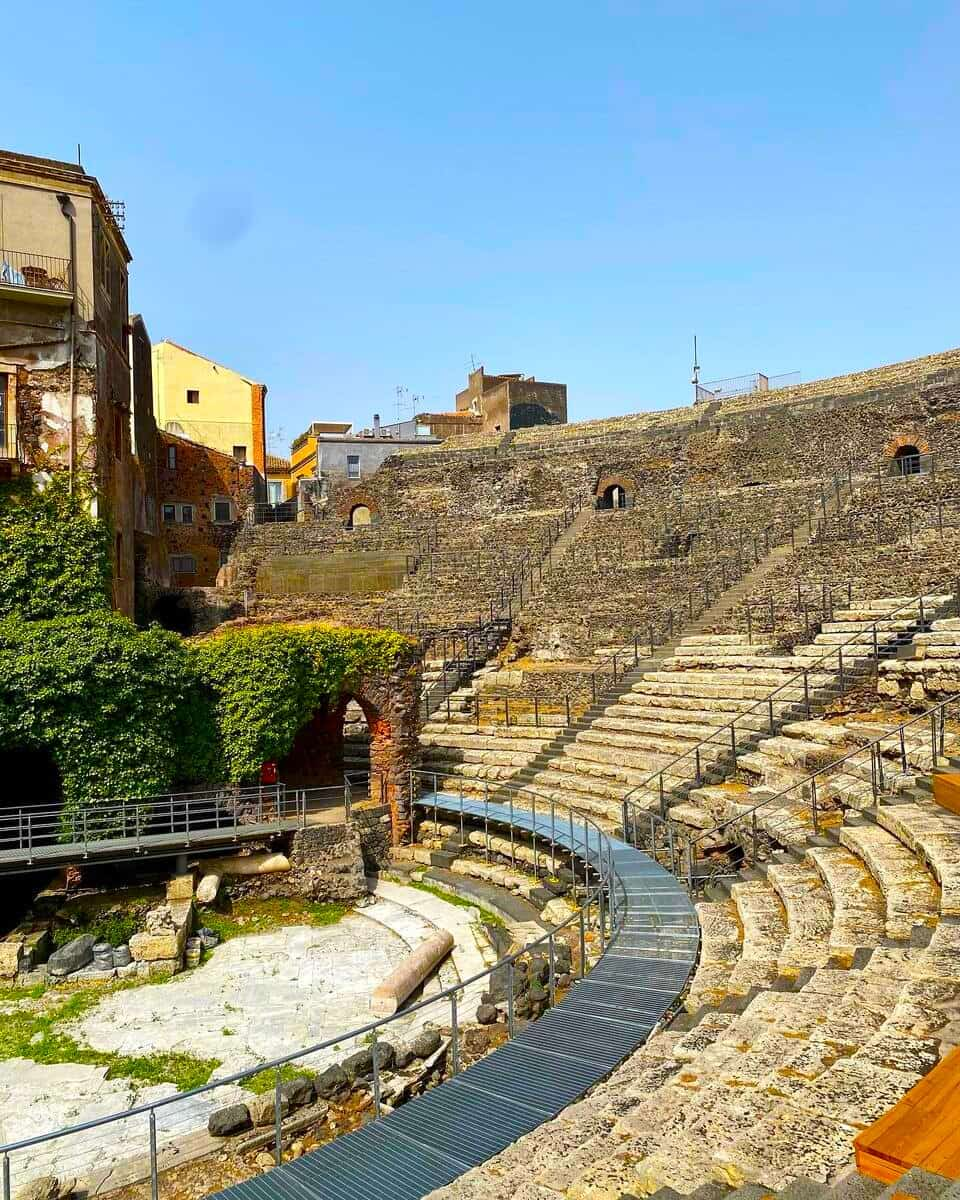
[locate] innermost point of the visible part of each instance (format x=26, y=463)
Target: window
x=423, y=430
x=240, y=453
x=353, y=466
x=8, y=433
x=222, y=512
x=183, y=564
x=169, y=514
x=193, y=396
x=275, y=491
x=172, y=457
x=907, y=461
x=186, y=514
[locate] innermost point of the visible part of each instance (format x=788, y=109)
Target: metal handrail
x=612, y=912
x=801, y=679
x=936, y=714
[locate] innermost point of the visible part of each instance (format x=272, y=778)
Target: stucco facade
x=65, y=377
x=206, y=402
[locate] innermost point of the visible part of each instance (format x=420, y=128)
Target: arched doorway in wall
x=360, y=516
x=171, y=611
x=370, y=730
x=615, y=491
x=907, y=460
x=29, y=777
x=613, y=497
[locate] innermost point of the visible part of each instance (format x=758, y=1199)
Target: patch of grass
x=260, y=916
x=22, y=993
x=115, y=928
x=266, y=1081
x=452, y=898
x=18, y=1039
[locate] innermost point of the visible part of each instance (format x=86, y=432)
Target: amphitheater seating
x=815, y=1007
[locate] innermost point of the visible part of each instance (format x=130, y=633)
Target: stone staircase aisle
x=826, y=976
x=663, y=719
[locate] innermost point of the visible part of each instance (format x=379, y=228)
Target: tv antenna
x=695, y=380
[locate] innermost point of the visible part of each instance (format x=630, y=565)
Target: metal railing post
x=277, y=1120
x=583, y=946
x=553, y=969
x=154, y=1175
x=375, y=1048
x=454, y=1035
x=511, y=1023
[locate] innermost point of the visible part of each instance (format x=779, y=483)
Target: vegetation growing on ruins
x=253, y=915
x=54, y=556
x=269, y=680
x=39, y=1034
x=128, y=712
x=122, y=712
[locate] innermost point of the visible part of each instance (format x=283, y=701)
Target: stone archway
x=615, y=491
x=905, y=453
x=390, y=704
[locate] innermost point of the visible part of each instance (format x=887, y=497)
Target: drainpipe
x=70, y=214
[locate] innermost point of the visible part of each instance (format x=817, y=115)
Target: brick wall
x=200, y=476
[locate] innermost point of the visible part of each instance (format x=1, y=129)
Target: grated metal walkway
x=436, y=1137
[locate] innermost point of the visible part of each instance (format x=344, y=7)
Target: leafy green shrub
x=269, y=680
x=122, y=712
x=54, y=556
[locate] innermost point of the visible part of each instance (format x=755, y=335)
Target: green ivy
x=54, y=556
x=269, y=680
x=122, y=712
x=125, y=712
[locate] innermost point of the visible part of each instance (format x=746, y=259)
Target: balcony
x=35, y=276
x=8, y=441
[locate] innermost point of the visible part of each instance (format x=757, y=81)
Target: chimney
x=376, y=424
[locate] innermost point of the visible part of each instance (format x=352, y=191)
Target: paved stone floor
x=256, y=998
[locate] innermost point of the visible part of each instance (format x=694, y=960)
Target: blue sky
x=342, y=198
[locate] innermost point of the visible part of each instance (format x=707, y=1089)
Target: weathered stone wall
x=200, y=476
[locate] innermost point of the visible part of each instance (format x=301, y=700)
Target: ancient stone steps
x=859, y=911
x=912, y=897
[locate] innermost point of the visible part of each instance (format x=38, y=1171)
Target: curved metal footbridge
x=436, y=1137
x=640, y=926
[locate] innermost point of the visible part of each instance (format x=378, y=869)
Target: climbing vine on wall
x=126, y=712
x=121, y=712
x=54, y=556
x=269, y=680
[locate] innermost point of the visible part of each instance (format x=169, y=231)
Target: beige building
x=199, y=399
x=67, y=383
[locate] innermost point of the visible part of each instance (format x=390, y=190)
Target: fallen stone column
x=208, y=887
x=389, y=995
x=247, y=864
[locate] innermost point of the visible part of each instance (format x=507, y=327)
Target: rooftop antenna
x=399, y=390
x=696, y=371
x=79, y=163
x=473, y=362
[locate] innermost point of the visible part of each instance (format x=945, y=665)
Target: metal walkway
x=436, y=1137
x=41, y=837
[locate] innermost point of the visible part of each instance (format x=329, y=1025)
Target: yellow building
x=197, y=398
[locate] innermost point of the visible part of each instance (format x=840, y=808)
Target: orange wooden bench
x=946, y=790
x=922, y=1130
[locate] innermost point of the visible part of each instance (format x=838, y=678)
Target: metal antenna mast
x=696, y=371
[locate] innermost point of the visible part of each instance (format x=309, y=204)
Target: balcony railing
x=35, y=272
x=8, y=442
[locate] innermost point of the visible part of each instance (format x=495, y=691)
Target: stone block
x=226, y=1121
x=180, y=887
x=73, y=956
x=11, y=957
x=153, y=947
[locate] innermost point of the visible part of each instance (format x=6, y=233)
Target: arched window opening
x=907, y=461
x=360, y=515
x=614, y=496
